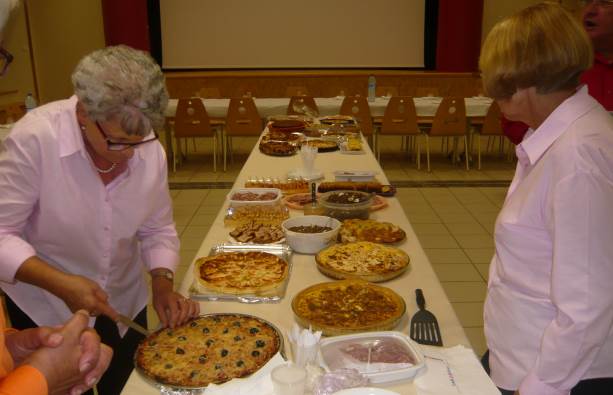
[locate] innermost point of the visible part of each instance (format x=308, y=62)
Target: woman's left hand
x=172, y=308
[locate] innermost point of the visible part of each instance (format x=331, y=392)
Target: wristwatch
x=164, y=273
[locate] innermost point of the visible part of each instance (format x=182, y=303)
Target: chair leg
x=466, y=151
x=418, y=153
x=428, y=152
x=194, y=144
x=173, y=143
x=224, y=137
x=377, y=148
x=215, y=152
x=479, y=153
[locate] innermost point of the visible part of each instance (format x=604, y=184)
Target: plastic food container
x=381, y=356
x=349, y=175
x=344, y=205
x=310, y=243
x=254, y=196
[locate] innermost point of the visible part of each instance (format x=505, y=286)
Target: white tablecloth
x=305, y=273
x=425, y=106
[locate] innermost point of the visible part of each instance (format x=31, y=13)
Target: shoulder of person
x=44, y=123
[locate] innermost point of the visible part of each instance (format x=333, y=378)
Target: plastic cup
x=288, y=379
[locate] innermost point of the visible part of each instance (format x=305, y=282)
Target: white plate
x=365, y=391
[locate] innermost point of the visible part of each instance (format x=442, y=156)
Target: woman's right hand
x=81, y=293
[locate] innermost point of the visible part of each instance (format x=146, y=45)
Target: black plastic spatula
x=424, y=326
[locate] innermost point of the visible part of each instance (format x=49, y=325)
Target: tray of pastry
x=288, y=186
x=270, y=214
x=247, y=273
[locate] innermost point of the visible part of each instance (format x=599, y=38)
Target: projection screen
x=229, y=34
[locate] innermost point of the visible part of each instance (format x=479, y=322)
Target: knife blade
x=131, y=324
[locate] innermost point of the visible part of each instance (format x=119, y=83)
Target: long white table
x=425, y=106
x=305, y=273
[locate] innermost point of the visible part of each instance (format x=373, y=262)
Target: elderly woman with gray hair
x=85, y=207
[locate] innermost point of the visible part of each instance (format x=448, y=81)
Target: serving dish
x=383, y=357
x=345, y=204
x=310, y=243
x=200, y=292
x=254, y=196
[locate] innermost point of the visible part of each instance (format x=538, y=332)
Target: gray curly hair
x=122, y=83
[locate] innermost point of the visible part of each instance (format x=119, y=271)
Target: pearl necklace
x=106, y=171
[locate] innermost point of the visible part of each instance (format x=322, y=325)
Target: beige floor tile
x=457, y=218
x=488, y=223
x=430, y=229
x=479, y=255
x=482, y=207
x=484, y=270
x=203, y=219
x=180, y=229
x=465, y=291
x=438, y=241
x=470, y=314
x=475, y=241
x=208, y=209
x=187, y=256
x=477, y=340
x=195, y=231
x=182, y=220
x=452, y=208
x=467, y=228
x=184, y=210
x=446, y=255
x=207, y=176
x=396, y=174
x=456, y=272
x=190, y=196
x=421, y=217
x=190, y=242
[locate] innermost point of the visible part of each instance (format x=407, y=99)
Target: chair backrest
x=296, y=91
x=400, y=116
x=423, y=91
x=302, y=105
x=209, y=93
x=243, y=118
x=357, y=107
x=191, y=119
x=450, y=118
x=491, y=123
x=12, y=112
x=383, y=90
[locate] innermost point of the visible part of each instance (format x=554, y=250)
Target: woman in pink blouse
x=85, y=207
x=549, y=309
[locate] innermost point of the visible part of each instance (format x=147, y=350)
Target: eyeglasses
x=599, y=3
x=5, y=60
x=116, y=146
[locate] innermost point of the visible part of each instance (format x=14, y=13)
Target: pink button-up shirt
x=54, y=205
x=549, y=308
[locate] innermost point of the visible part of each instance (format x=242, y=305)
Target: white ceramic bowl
x=310, y=243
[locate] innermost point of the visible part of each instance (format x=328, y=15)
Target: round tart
x=209, y=349
x=362, y=260
x=277, y=148
x=370, y=230
x=322, y=145
x=299, y=200
x=348, y=306
x=240, y=273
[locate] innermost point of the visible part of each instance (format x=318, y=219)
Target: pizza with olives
x=208, y=349
x=240, y=273
x=348, y=306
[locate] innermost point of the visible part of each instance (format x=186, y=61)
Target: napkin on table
x=258, y=383
x=453, y=371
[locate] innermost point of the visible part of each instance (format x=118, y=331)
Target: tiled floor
x=454, y=224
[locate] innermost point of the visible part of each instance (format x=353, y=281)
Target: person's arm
x=160, y=252
x=581, y=225
x=19, y=183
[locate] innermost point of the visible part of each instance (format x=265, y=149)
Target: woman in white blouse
x=85, y=207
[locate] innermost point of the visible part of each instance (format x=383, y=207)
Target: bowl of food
x=310, y=234
x=254, y=196
x=347, y=204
